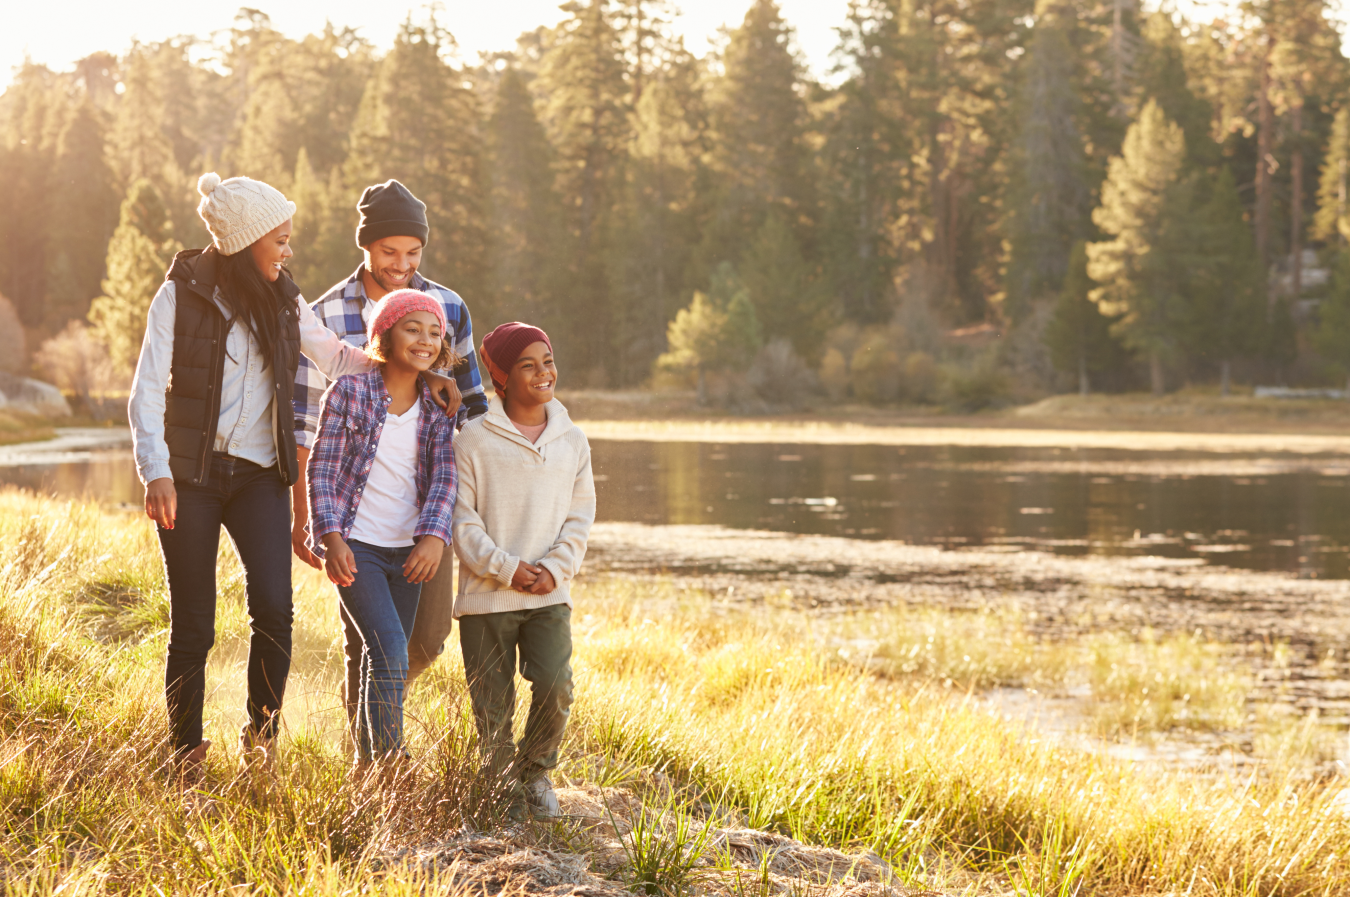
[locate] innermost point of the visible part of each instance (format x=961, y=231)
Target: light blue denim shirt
x=245, y=427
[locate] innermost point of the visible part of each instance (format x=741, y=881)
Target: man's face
x=391, y=261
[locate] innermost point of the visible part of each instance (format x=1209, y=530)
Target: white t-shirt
x=387, y=513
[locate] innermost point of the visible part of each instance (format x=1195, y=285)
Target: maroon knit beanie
x=502, y=348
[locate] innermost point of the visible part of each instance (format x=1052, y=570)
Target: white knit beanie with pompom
x=239, y=211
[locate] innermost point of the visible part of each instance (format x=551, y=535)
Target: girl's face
x=272, y=250
x=415, y=341
x=533, y=376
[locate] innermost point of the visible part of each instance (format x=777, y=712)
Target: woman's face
x=415, y=341
x=272, y=250
x=533, y=376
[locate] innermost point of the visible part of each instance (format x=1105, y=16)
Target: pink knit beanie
x=395, y=305
x=502, y=348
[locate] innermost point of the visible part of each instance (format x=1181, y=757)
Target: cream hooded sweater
x=520, y=502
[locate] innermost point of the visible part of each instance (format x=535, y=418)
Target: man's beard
x=386, y=285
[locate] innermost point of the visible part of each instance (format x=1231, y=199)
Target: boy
x=525, y=508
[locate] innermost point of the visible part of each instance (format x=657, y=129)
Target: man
x=392, y=233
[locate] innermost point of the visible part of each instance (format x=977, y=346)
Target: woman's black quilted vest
x=193, y=398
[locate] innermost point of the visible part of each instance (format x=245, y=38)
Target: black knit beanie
x=390, y=210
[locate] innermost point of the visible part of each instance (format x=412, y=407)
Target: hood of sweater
x=559, y=422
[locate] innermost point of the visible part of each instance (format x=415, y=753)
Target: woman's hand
x=424, y=559
x=339, y=562
x=544, y=583
x=444, y=392
x=161, y=501
x=524, y=577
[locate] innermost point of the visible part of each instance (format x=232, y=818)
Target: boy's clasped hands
x=532, y=579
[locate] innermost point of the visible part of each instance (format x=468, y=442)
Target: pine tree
x=780, y=284
x=1079, y=334
x=1332, y=222
x=1049, y=203
x=659, y=209
x=83, y=215
x=867, y=157
x=138, y=256
x=584, y=109
x=718, y=331
x=1226, y=302
x=524, y=216
x=759, y=136
x=1142, y=270
x=419, y=123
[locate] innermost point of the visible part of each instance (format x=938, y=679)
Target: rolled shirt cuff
x=155, y=470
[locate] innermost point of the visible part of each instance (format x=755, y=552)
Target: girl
x=211, y=420
x=526, y=504
x=381, y=495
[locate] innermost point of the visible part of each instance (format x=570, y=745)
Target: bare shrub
x=13, y=341
x=780, y=377
x=78, y=363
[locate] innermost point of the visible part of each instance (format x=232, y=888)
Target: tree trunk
x=1084, y=387
x=1225, y=377
x=1155, y=373
x=1296, y=203
x=1265, y=134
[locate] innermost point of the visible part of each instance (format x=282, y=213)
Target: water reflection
x=1258, y=512
x=1280, y=514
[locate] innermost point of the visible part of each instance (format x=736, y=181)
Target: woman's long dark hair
x=250, y=298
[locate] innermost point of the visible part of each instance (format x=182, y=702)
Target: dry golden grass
x=737, y=755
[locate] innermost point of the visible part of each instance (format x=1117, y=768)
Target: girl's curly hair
x=380, y=349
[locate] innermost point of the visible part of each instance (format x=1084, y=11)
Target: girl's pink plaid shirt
x=350, y=424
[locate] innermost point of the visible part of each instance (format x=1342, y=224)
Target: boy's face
x=533, y=377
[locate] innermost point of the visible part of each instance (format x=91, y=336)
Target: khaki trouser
x=540, y=641
x=431, y=630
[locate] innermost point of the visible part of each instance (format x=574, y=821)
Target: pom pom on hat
x=394, y=306
x=239, y=211
x=502, y=348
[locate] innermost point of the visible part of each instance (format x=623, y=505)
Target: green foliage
x=1332, y=221
x=138, y=255
x=712, y=334
x=1049, y=193
x=1332, y=336
x=1145, y=208
x=1079, y=334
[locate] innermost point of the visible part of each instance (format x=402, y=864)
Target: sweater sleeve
x=473, y=546
x=564, y=558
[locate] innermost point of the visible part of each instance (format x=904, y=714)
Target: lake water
x=1269, y=512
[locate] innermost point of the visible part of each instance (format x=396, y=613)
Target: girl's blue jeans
x=382, y=604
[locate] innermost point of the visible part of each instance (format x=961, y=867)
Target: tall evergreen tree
x=584, y=100
x=524, y=216
x=1142, y=269
x=83, y=215
x=1049, y=202
x=1332, y=222
x=1079, y=334
x=138, y=255
x=418, y=122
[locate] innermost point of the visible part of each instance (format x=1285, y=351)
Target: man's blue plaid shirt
x=344, y=310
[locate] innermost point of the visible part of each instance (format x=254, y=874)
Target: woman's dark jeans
x=254, y=506
x=382, y=604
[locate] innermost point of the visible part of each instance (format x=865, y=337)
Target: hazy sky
x=58, y=32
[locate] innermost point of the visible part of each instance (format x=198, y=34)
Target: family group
x=355, y=433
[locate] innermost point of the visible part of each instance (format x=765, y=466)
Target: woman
x=213, y=429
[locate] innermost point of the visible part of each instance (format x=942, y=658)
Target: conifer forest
x=983, y=200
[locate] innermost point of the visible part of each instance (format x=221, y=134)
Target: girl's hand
x=444, y=392
x=524, y=577
x=161, y=501
x=544, y=583
x=424, y=560
x=339, y=562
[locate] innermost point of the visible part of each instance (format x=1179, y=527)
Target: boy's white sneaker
x=542, y=800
